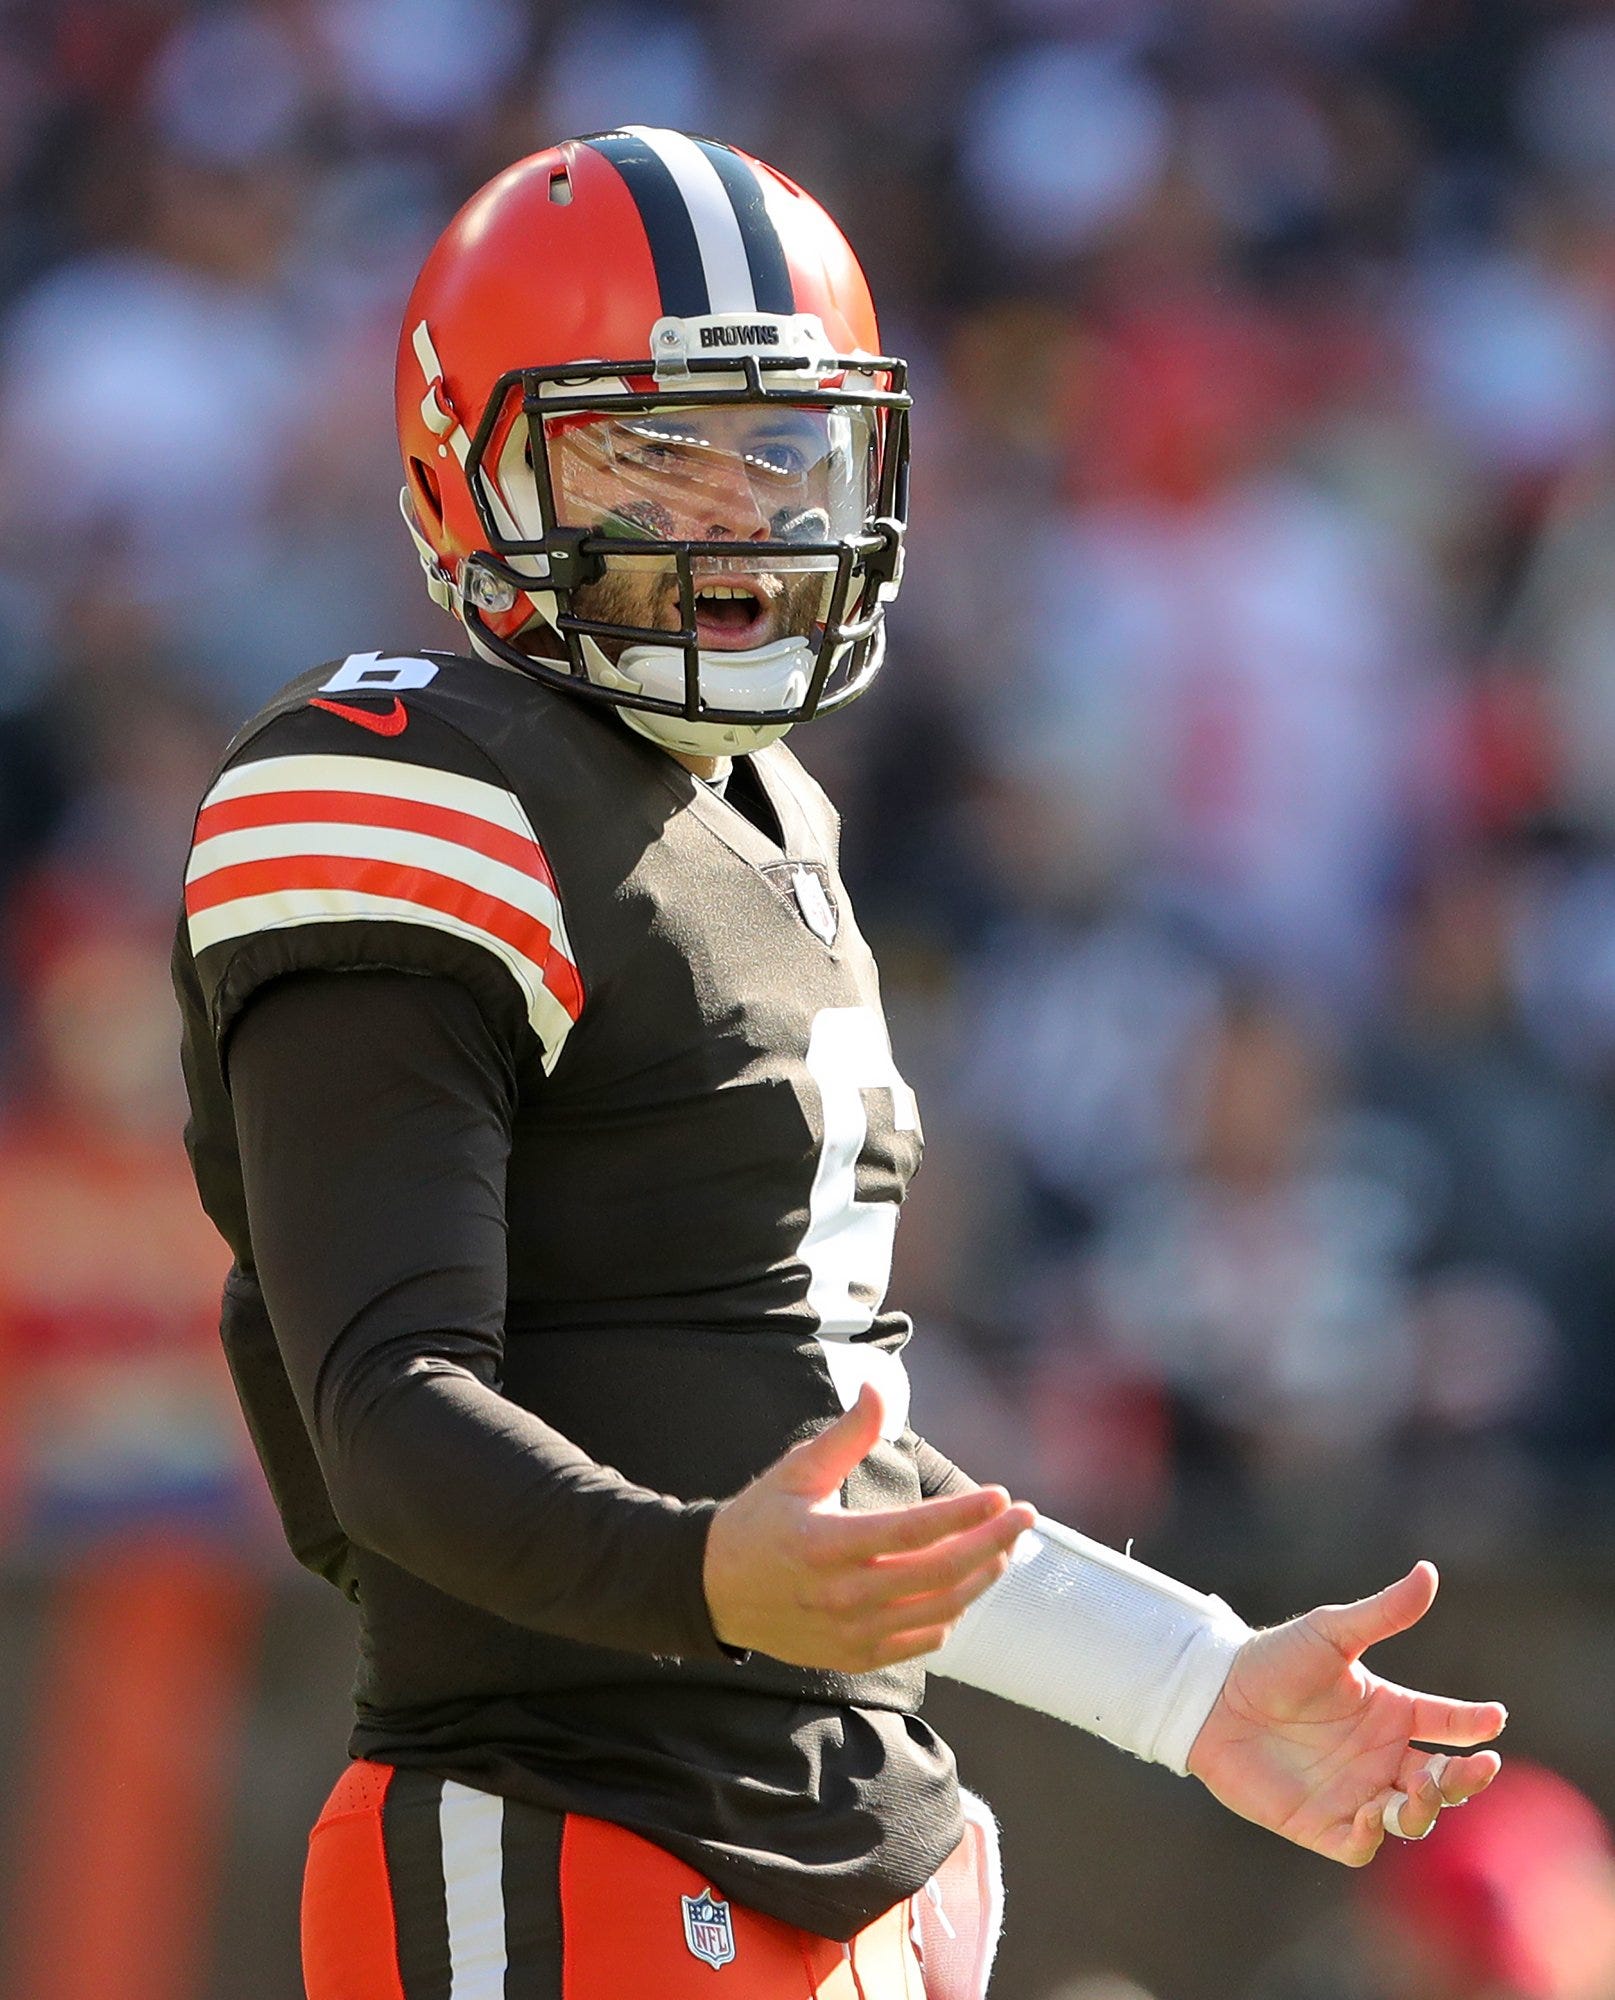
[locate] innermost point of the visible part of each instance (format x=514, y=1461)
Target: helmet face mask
x=705, y=533
x=603, y=488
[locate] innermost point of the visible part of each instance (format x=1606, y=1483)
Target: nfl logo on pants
x=707, y=1929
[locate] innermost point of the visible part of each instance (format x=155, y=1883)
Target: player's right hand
x=791, y=1573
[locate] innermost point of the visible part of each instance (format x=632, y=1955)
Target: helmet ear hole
x=426, y=488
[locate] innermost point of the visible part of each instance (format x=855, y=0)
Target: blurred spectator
x=1514, y=344
x=1260, y=1299
x=147, y=389
x=1235, y=690
x=1232, y=668
x=1081, y=1034
x=421, y=64
x=1562, y=625
x=615, y=63
x=118, y=1408
x=1519, y=1164
x=1060, y=141
x=1565, y=955
x=33, y=780
x=141, y=748
x=1565, y=101
x=231, y=86
x=1514, y=1899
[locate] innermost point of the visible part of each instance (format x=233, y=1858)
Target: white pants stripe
x=473, y=1879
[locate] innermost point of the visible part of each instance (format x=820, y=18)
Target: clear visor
x=789, y=482
x=732, y=473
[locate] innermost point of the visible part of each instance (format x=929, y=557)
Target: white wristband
x=1084, y=1633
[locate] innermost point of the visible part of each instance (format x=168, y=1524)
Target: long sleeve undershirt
x=373, y=1112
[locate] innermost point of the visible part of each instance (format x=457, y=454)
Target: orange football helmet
x=649, y=361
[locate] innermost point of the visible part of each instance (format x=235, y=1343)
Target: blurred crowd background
x=1235, y=822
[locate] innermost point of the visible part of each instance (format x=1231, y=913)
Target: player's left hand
x=1306, y=1742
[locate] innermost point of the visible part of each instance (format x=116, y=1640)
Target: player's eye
x=780, y=457
x=659, y=444
x=648, y=456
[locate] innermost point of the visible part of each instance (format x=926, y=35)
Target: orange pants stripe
x=350, y=1941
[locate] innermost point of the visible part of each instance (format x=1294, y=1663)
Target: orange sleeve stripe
x=498, y=843
x=431, y=891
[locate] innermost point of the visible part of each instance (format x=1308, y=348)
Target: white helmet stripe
x=712, y=215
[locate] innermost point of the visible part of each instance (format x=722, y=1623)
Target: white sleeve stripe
x=383, y=777
x=383, y=843
x=284, y=909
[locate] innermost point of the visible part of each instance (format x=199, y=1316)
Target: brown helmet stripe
x=765, y=253
x=675, y=251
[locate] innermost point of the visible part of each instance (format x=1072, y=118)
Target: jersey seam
x=223, y=1028
x=587, y=985
x=446, y=925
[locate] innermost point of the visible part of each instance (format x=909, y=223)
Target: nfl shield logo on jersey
x=812, y=899
x=707, y=1929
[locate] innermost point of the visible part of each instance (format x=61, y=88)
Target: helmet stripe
x=765, y=254
x=681, y=274
x=712, y=212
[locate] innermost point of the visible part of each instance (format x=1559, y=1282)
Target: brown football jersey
x=707, y=1145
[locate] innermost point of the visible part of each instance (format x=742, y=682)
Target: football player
x=541, y=1088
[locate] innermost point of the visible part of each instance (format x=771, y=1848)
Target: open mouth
x=730, y=616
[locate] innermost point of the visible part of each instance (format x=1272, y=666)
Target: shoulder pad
x=327, y=844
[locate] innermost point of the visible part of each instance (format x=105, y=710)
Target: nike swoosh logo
x=379, y=725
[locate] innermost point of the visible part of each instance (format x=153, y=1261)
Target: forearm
x=383, y=1267
x=1082, y=1632
x=450, y=1480
x=940, y=1478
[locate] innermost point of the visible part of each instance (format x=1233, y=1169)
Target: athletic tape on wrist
x=1082, y=1632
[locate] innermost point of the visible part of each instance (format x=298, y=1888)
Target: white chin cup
x=774, y=676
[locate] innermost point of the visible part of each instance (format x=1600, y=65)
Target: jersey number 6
x=847, y=1247
x=370, y=673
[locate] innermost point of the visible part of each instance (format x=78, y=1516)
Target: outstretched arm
x=1285, y=1727
x=1308, y=1742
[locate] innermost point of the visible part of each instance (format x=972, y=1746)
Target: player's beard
x=792, y=604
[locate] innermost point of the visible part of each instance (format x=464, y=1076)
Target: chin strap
x=700, y=739
x=765, y=677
